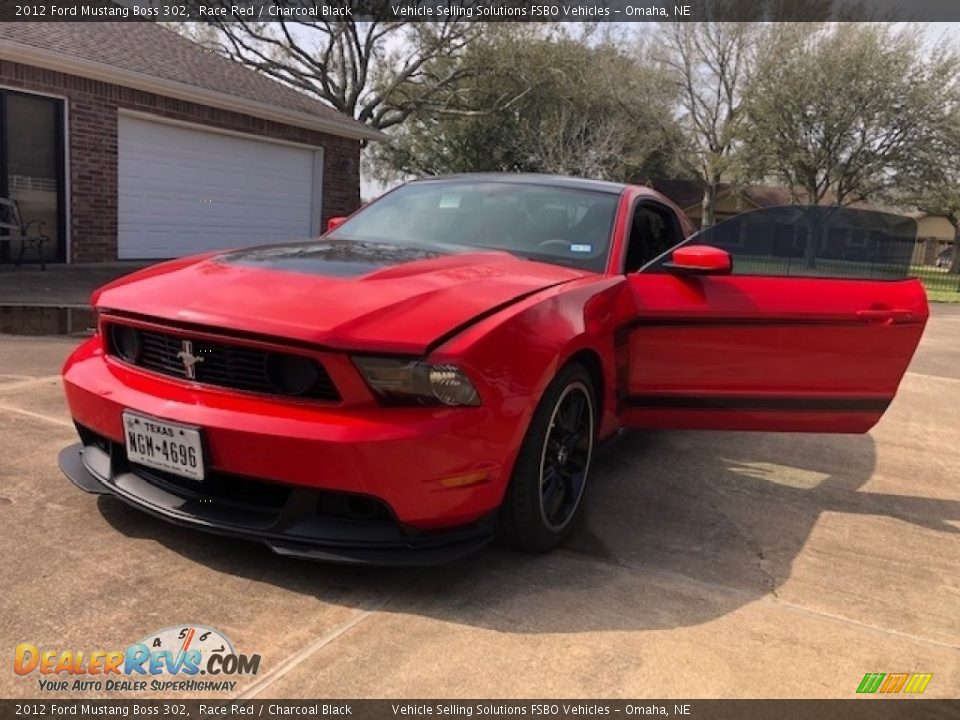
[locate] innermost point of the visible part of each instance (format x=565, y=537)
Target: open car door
x=789, y=318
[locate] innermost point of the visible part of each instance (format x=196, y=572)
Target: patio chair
x=30, y=233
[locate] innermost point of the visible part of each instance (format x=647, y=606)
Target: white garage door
x=182, y=190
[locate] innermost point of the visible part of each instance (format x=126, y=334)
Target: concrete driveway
x=710, y=565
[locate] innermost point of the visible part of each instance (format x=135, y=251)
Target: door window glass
x=813, y=241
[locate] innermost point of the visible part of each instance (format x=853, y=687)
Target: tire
x=545, y=496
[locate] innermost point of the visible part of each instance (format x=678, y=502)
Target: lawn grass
x=943, y=296
x=940, y=286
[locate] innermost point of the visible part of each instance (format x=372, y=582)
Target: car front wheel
x=545, y=495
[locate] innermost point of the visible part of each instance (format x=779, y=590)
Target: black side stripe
x=622, y=333
x=701, y=320
x=774, y=403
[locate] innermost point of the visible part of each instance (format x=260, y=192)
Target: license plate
x=164, y=445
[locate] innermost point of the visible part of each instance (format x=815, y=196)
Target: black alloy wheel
x=546, y=491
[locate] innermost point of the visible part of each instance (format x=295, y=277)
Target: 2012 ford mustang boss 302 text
x=440, y=366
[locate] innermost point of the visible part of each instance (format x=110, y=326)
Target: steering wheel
x=554, y=241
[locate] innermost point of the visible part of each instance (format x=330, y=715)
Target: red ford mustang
x=439, y=367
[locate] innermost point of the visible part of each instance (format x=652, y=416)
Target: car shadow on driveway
x=681, y=528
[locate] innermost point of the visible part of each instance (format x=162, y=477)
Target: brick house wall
x=92, y=111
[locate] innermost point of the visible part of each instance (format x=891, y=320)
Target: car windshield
x=560, y=225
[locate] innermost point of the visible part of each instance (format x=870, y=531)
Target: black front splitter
x=290, y=531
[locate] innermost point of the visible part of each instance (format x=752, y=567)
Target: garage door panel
x=258, y=172
x=184, y=191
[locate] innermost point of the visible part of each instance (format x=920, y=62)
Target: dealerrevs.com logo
x=185, y=658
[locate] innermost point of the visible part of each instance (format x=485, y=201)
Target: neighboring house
x=935, y=237
x=730, y=201
x=848, y=242
x=933, y=227
x=130, y=142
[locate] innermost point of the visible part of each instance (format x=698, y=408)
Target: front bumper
x=291, y=521
x=437, y=474
x=435, y=468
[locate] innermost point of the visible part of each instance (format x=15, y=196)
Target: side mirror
x=335, y=222
x=699, y=260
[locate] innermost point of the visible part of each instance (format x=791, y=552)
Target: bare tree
x=572, y=143
x=710, y=63
x=376, y=72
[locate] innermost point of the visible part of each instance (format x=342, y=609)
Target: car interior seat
x=549, y=223
x=641, y=242
x=593, y=228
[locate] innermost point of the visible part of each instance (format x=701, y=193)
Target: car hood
x=336, y=293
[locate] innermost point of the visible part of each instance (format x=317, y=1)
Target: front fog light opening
x=292, y=374
x=126, y=342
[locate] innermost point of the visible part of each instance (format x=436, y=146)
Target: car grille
x=263, y=495
x=225, y=365
x=224, y=488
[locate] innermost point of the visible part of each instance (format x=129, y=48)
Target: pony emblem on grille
x=189, y=359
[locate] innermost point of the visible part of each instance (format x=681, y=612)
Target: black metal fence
x=939, y=282
x=932, y=263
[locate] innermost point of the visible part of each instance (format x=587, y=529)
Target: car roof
x=560, y=181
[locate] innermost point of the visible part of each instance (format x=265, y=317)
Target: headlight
x=406, y=381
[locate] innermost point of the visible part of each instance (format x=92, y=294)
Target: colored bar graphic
x=870, y=682
x=918, y=682
x=894, y=682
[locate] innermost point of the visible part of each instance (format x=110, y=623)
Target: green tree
x=535, y=99
x=851, y=111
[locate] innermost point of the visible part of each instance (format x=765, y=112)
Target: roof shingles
x=155, y=51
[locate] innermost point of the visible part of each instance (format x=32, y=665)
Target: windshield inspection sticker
x=449, y=201
x=581, y=248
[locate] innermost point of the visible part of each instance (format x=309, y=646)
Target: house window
x=31, y=170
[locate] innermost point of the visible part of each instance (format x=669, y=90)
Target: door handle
x=887, y=315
